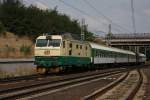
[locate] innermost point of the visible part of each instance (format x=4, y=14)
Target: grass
x=25, y=49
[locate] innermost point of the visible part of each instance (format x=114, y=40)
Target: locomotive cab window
x=54, y=42
x=41, y=42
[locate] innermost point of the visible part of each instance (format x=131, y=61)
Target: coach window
x=63, y=44
x=109, y=55
x=105, y=54
x=95, y=53
x=113, y=55
x=102, y=55
x=70, y=45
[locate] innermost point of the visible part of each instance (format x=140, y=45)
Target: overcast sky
x=117, y=11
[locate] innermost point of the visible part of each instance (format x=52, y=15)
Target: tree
x=32, y=21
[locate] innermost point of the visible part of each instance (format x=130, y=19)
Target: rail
x=102, y=91
x=112, y=89
x=32, y=89
x=137, y=87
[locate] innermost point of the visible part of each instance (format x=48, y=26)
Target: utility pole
x=109, y=35
x=134, y=30
x=83, y=29
x=109, y=32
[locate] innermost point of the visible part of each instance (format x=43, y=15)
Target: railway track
x=38, y=76
x=19, y=92
x=124, y=88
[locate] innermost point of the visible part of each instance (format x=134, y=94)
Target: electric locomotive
x=55, y=53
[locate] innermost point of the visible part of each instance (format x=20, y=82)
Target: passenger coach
x=108, y=55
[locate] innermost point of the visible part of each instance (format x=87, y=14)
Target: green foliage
x=26, y=50
x=2, y=28
x=32, y=21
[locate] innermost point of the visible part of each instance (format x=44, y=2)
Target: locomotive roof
x=44, y=36
x=102, y=47
x=62, y=37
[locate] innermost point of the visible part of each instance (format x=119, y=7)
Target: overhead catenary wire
x=101, y=14
x=81, y=11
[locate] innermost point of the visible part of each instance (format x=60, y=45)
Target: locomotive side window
x=63, y=44
x=86, y=47
x=77, y=46
x=80, y=46
x=70, y=45
x=70, y=52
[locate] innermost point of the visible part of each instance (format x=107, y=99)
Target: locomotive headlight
x=47, y=52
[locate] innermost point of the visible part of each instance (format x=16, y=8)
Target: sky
x=98, y=14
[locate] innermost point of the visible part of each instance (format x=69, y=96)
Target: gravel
x=76, y=93
x=147, y=93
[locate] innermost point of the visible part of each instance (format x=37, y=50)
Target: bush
x=25, y=49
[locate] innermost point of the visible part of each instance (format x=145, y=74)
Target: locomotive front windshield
x=41, y=43
x=54, y=42
x=45, y=42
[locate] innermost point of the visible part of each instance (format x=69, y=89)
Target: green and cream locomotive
x=56, y=53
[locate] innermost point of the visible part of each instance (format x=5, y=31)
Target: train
x=56, y=53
